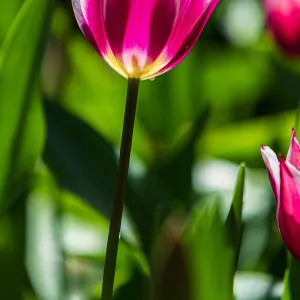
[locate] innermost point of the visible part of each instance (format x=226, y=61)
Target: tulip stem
x=120, y=191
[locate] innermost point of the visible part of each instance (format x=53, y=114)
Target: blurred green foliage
x=188, y=201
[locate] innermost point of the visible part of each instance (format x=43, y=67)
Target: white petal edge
x=272, y=164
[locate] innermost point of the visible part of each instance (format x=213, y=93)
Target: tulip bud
x=143, y=38
x=285, y=180
x=283, y=18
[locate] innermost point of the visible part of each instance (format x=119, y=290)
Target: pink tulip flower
x=283, y=18
x=285, y=180
x=143, y=38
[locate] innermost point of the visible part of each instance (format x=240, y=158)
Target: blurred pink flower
x=285, y=180
x=283, y=18
x=143, y=38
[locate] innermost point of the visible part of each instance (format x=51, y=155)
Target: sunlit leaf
x=211, y=257
x=234, y=218
x=8, y=12
x=21, y=121
x=21, y=134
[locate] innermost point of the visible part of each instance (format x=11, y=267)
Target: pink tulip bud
x=283, y=18
x=285, y=180
x=143, y=38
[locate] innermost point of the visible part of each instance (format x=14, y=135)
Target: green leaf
x=175, y=174
x=58, y=222
x=80, y=158
x=12, y=251
x=9, y=9
x=291, y=281
x=170, y=262
x=211, y=257
x=234, y=219
x=21, y=121
x=134, y=289
x=84, y=163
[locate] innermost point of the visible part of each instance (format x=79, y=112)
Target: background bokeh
x=194, y=126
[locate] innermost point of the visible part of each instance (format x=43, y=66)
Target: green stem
x=120, y=192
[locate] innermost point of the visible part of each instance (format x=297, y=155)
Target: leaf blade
x=20, y=108
x=291, y=281
x=234, y=219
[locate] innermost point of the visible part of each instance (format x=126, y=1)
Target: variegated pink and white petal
x=190, y=22
x=293, y=156
x=143, y=39
x=89, y=16
x=138, y=30
x=190, y=39
x=288, y=215
x=272, y=164
x=83, y=24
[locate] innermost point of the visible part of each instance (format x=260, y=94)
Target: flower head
x=143, y=38
x=283, y=18
x=285, y=180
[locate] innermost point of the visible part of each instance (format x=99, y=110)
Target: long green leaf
x=21, y=120
x=81, y=159
x=12, y=255
x=8, y=11
x=211, y=257
x=175, y=175
x=234, y=219
x=170, y=268
x=84, y=163
x=291, y=281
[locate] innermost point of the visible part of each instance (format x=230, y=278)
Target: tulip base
x=120, y=191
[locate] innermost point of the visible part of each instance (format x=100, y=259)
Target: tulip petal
x=191, y=39
x=294, y=152
x=289, y=207
x=189, y=25
x=284, y=6
x=283, y=19
x=142, y=39
x=83, y=24
x=115, y=14
x=137, y=35
x=163, y=18
x=89, y=15
x=138, y=30
x=187, y=19
x=272, y=165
